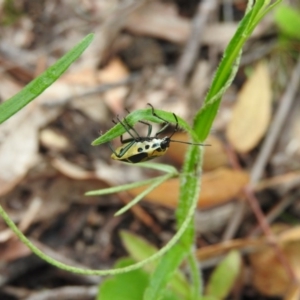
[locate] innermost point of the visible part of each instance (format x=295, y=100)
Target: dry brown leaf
x=54, y=140
x=214, y=155
x=86, y=77
x=19, y=138
x=290, y=235
x=71, y=170
x=56, y=193
x=200, y=79
x=19, y=134
x=161, y=20
x=114, y=71
x=269, y=275
x=18, y=152
x=13, y=249
x=177, y=151
x=252, y=112
x=222, y=248
x=285, y=180
x=156, y=19
x=293, y=293
x=218, y=187
x=221, y=186
x=69, y=86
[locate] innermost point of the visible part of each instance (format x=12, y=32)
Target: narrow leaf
x=38, y=85
x=288, y=20
x=164, y=272
x=224, y=276
x=140, y=249
x=127, y=286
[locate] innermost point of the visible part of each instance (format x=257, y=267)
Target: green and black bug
x=139, y=148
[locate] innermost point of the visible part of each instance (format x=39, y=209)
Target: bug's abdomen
x=136, y=158
x=140, y=151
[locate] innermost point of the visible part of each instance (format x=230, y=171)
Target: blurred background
x=162, y=52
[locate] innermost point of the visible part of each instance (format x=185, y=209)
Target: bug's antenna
x=188, y=143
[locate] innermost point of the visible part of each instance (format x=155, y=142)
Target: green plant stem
x=196, y=276
x=81, y=271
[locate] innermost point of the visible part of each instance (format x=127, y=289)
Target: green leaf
x=288, y=21
x=140, y=249
x=228, y=68
x=209, y=298
x=120, y=188
x=158, y=167
x=205, y=117
x=224, y=276
x=164, y=272
x=126, y=286
x=138, y=115
x=172, y=172
x=39, y=84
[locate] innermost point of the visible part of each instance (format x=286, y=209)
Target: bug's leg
x=121, y=137
x=130, y=128
x=112, y=149
x=127, y=127
x=156, y=115
x=127, y=140
x=143, y=122
x=122, y=140
x=126, y=148
x=123, y=151
x=149, y=127
x=176, y=126
x=166, y=123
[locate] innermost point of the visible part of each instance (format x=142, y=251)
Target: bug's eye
x=140, y=149
x=147, y=147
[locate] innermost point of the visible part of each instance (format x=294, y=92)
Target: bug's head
x=165, y=143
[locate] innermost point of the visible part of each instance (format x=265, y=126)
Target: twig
x=253, y=202
x=275, y=211
x=66, y=292
x=228, y=10
x=269, y=143
x=262, y=160
x=97, y=90
x=189, y=55
x=276, y=126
